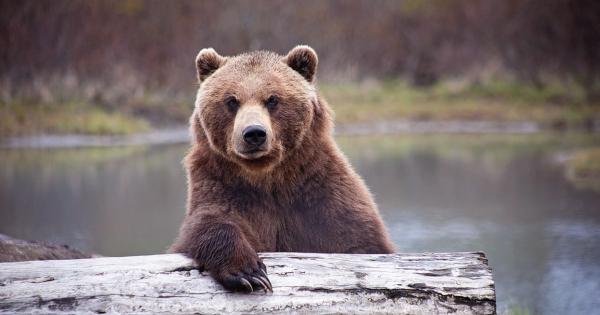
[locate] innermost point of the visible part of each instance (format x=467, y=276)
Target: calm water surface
x=507, y=196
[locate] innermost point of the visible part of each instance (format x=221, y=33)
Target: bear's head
x=256, y=108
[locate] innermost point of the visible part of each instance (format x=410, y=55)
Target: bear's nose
x=254, y=135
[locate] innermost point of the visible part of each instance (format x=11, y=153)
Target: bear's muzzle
x=252, y=132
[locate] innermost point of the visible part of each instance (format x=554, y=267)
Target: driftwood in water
x=12, y=249
x=458, y=283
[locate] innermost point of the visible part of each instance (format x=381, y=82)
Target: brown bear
x=264, y=172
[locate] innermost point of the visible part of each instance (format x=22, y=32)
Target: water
x=505, y=195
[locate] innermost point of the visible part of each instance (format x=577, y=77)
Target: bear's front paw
x=244, y=277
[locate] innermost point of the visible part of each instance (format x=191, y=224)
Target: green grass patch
x=553, y=106
x=519, y=310
x=583, y=168
x=499, y=148
x=22, y=119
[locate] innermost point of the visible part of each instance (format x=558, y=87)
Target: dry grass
x=18, y=119
x=372, y=102
x=583, y=168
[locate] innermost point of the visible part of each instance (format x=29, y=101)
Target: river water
x=505, y=195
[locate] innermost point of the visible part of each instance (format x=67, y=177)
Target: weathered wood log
x=430, y=283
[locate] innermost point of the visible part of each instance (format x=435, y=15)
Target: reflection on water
x=503, y=195
x=117, y=201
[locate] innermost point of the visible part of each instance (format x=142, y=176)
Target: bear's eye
x=272, y=102
x=232, y=103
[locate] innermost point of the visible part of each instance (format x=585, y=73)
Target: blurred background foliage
x=136, y=57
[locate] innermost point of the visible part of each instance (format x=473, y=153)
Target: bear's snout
x=255, y=135
x=252, y=135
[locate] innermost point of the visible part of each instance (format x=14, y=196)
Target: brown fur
x=302, y=195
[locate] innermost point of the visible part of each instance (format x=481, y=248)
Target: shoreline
x=175, y=135
x=154, y=137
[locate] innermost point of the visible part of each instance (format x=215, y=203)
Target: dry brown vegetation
x=135, y=57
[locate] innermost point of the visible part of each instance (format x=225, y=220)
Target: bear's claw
x=248, y=280
x=267, y=279
x=260, y=282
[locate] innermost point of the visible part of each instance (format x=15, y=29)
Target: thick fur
x=302, y=196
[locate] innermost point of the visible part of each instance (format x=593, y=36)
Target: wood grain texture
x=428, y=283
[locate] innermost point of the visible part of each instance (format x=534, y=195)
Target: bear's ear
x=304, y=60
x=207, y=62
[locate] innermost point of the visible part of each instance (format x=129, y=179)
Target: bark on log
x=429, y=283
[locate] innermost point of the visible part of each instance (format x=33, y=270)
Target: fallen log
x=429, y=283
